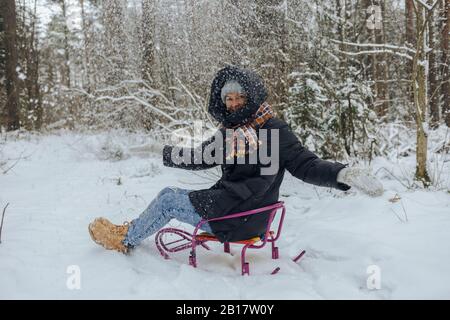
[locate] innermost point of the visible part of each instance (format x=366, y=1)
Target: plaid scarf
x=245, y=135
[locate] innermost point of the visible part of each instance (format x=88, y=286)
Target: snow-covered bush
x=110, y=150
x=333, y=120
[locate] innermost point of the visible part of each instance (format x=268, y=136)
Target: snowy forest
x=344, y=74
x=98, y=84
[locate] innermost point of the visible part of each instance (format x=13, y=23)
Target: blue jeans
x=170, y=203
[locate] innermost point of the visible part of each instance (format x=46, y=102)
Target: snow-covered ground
x=353, y=243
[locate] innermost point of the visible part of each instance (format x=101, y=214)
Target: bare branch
x=15, y=163
x=143, y=102
x=392, y=175
x=376, y=45
x=374, y=52
x=399, y=218
x=1, y=224
x=428, y=7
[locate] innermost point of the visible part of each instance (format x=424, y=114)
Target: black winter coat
x=242, y=187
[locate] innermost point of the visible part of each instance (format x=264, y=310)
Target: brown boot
x=109, y=235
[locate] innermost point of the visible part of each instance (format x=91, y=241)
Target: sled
x=186, y=240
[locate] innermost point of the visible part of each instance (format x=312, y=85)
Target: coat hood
x=254, y=89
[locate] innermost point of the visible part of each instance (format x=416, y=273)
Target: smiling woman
x=243, y=186
x=235, y=101
x=233, y=95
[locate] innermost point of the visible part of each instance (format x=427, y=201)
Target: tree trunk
x=344, y=121
x=2, y=48
x=115, y=52
x=433, y=95
x=445, y=60
x=33, y=119
x=410, y=41
x=66, y=71
x=12, y=85
x=86, y=58
x=148, y=41
x=419, y=81
x=379, y=65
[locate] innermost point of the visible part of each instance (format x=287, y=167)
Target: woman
x=238, y=102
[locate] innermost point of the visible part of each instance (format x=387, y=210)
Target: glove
x=362, y=180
